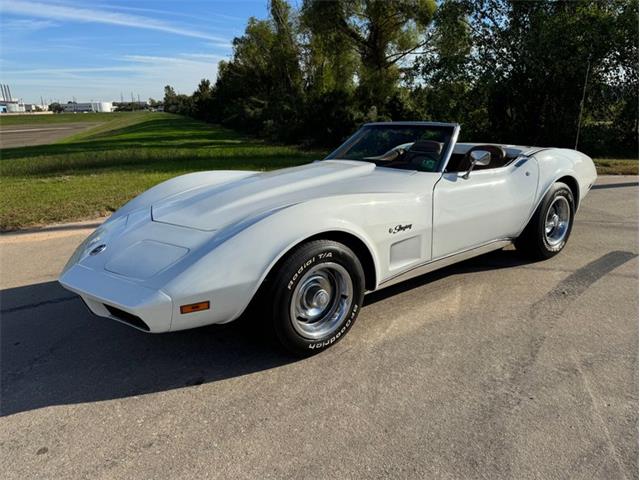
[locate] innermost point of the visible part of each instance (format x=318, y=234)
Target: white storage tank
x=14, y=107
x=106, y=107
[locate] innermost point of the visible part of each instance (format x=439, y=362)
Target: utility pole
x=584, y=92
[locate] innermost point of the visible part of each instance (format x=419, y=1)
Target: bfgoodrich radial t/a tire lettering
x=316, y=295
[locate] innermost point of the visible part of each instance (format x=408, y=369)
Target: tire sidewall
x=292, y=272
x=557, y=190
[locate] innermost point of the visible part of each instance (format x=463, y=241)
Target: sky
x=98, y=50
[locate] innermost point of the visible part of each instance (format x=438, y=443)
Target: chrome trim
x=445, y=261
x=321, y=301
x=433, y=124
x=452, y=144
x=556, y=223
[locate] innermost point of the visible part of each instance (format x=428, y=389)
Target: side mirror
x=478, y=157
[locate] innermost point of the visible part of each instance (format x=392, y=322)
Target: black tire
x=315, y=260
x=535, y=241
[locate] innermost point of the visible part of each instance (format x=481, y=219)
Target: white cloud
x=213, y=16
x=76, y=14
x=223, y=45
x=27, y=24
x=143, y=74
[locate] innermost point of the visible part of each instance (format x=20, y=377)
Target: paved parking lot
x=495, y=368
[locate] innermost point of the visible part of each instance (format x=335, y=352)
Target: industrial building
x=7, y=103
x=74, y=107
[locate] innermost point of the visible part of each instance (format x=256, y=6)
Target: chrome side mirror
x=478, y=157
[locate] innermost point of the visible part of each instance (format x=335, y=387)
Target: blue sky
x=98, y=49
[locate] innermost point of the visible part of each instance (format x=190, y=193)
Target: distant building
x=32, y=107
x=11, y=107
x=7, y=102
x=106, y=107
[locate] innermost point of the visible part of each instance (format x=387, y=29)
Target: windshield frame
x=448, y=150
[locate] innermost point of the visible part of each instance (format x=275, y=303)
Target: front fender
x=231, y=272
x=557, y=163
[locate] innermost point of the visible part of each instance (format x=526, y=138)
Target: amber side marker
x=194, y=307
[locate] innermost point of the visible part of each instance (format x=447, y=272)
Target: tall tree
x=537, y=58
x=261, y=87
x=383, y=33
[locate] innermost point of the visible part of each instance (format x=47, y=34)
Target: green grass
x=97, y=171
x=611, y=166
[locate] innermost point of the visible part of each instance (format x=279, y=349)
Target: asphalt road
x=27, y=135
x=495, y=368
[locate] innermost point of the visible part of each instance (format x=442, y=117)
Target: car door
x=491, y=204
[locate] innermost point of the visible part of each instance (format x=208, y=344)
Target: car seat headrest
x=427, y=146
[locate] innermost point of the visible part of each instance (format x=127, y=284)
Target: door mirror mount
x=478, y=157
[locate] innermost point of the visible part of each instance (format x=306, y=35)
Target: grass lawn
x=97, y=171
x=610, y=166
x=62, y=118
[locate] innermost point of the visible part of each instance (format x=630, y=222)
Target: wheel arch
x=356, y=244
x=572, y=183
x=568, y=180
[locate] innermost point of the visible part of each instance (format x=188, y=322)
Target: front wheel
x=317, y=293
x=549, y=228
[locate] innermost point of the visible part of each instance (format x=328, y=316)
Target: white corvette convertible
x=396, y=200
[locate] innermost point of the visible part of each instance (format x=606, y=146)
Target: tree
x=261, y=88
x=173, y=103
x=55, y=107
x=202, y=101
x=383, y=33
x=509, y=71
x=535, y=57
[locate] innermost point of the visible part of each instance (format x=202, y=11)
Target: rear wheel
x=549, y=228
x=317, y=293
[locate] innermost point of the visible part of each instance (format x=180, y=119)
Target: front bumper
x=116, y=298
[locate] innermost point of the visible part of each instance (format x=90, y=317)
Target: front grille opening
x=127, y=317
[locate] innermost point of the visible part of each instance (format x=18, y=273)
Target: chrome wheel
x=321, y=300
x=556, y=223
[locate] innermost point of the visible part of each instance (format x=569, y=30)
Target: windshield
x=409, y=147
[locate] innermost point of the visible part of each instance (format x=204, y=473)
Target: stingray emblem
x=98, y=249
x=400, y=228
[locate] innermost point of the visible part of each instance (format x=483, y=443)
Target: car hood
x=211, y=207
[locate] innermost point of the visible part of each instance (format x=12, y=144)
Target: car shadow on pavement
x=54, y=352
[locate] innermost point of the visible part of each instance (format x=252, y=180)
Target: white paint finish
x=179, y=185
x=557, y=163
x=144, y=259
x=406, y=252
x=237, y=225
x=488, y=205
x=96, y=288
x=213, y=207
x=439, y=263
